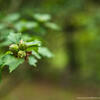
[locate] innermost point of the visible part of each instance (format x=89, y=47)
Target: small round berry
x=21, y=54
x=13, y=47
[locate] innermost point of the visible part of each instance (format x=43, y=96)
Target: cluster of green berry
x=19, y=50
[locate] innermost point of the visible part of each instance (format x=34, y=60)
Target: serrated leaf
x=34, y=43
x=32, y=61
x=12, y=62
x=36, y=54
x=14, y=37
x=15, y=64
x=45, y=52
x=35, y=48
x=26, y=37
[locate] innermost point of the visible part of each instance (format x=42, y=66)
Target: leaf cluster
x=21, y=39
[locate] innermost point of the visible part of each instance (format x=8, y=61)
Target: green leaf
x=45, y=52
x=42, y=17
x=8, y=52
x=32, y=61
x=26, y=37
x=30, y=25
x=52, y=26
x=5, y=43
x=14, y=37
x=36, y=54
x=35, y=48
x=34, y=43
x=12, y=62
x=1, y=61
x=12, y=17
x=25, y=25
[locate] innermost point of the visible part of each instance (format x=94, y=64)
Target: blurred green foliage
x=81, y=18
x=74, y=43
x=24, y=35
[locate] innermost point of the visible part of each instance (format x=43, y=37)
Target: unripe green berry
x=21, y=54
x=22, y=45
x=13, y=47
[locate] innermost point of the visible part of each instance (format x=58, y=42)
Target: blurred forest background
x=74, y=71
